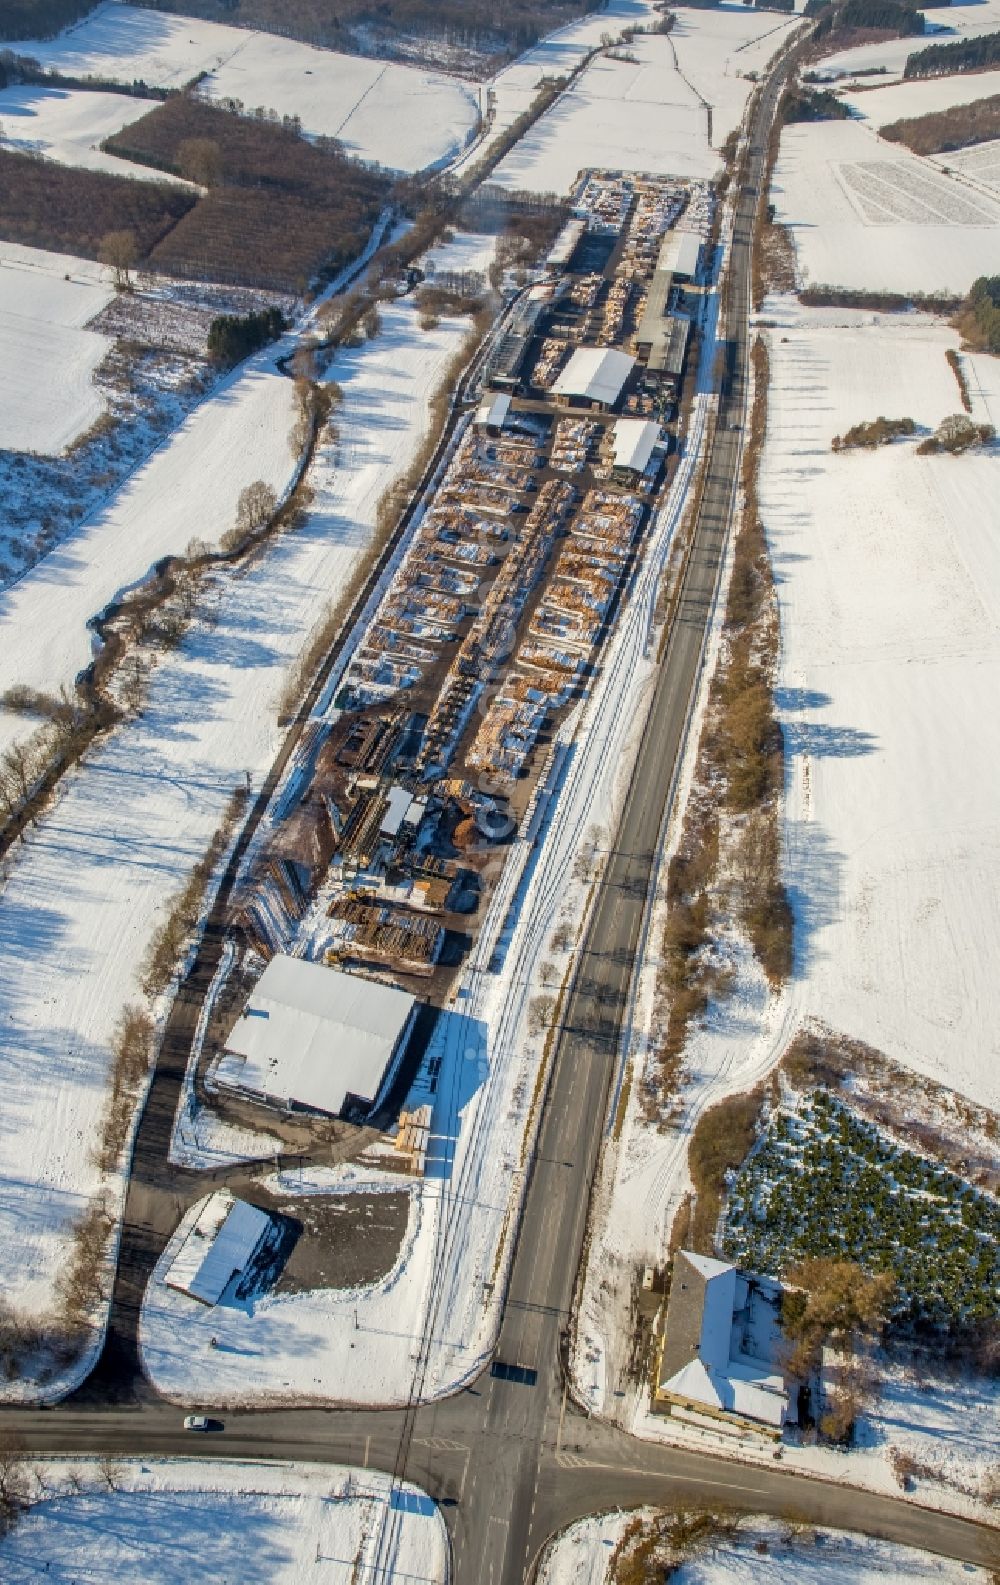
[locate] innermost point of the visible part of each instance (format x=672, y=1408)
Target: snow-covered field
x=784, y=1554
x=69, y=125
x=866, y=213
x=650, y=114
x=967, y=19
x=640, y=117
x=717, y=48
x=556, y=55
x=980, y=164
x=169, y=1522
x=187, y=490
x=644, y=117
x=921, y=96
x=87, y=888
x=47, y=356
x=402, y=116
x=889, y=571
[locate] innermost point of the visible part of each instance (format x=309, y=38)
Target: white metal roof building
x=225, y=1238
x=397, y=809
x=313, y=1036
x=492, y=412
x=679, y=254
x=595, y=374
x=634, y=441
x=566, y=244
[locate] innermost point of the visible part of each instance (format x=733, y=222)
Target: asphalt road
x=509, y=1458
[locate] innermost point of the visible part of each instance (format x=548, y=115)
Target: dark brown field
x=51, y=206
x=942, y=130
x=280, y=209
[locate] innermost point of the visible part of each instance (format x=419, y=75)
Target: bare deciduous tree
x=118, y=250
x=257, y=503
x=199, y=160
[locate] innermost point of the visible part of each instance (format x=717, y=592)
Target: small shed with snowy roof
x=226, y=1238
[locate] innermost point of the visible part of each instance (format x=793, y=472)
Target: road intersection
x=510, y=1458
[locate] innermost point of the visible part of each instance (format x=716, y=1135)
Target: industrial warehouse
x=312, y=1037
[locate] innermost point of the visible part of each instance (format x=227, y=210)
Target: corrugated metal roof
x=315, y=1035
x=679, y=253
x=221, y=1244
x=635, y=440
x=596, y=373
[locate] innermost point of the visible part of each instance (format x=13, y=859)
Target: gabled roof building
x=708, y=1362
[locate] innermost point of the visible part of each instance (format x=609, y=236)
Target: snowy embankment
x=168, y=1522
x=402, y=116
x=69, y=125
x=89, y=885
x=187, y=490
x=47, y=356
x=651, y=113
x=787, y=1554
x=437, y=1313
x=869, y=215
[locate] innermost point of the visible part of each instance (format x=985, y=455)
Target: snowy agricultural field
x=965, y=19
x=557, y=55
x=920, y=97
x=618, y=115
x=652, y=114
x=980, y=164
x=69, y=125
x=187, y=490
x=167, y=1522
x=889, y=596
x=717, y=49
x=48, y=357
x=866, y=214
x=787, y=1554
x=402, y=116
x=88, y=887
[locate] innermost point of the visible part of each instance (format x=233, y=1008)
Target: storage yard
x=425, y=764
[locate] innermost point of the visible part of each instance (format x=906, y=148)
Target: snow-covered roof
x=755, y=1395
x=399, y=804
x=706, y=1265
x=493, y=411
x=679, y=253
x=597, y=373
x=316, y=1035
x=635, y=440
x=698, y=1345
x=564, y=247
x=219, y=1247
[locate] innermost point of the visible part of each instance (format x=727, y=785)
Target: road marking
x=658, y=1474
x=562, y=1414
x=368, y=1443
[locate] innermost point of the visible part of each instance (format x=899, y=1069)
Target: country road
x=510, y=1458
